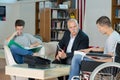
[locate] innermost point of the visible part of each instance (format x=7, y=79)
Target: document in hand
x=33, y=49
x=80, y=53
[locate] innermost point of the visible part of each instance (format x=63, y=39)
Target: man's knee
x=77, y=57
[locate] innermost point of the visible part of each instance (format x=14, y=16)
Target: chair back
x=117, y=51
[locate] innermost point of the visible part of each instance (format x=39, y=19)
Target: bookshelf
x=115, y=18
x=53, y=22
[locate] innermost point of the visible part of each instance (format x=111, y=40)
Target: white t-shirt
x=70, y=44
x=111, y=42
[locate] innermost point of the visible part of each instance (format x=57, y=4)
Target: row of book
x=117, y=27
x=59, y=14
x=57, y=35
x=59, y=24
x=117, y=13
x=118, y=2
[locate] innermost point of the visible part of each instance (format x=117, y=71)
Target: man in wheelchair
x=104, y=26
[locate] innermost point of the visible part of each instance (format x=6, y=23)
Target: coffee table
x=53, y=71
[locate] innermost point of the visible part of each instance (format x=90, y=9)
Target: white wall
x=7, y=1
x=95, y=9
x=7, y=27
x=25, y=11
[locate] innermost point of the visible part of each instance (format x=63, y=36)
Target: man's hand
x=15, y=33
x=35, y=54
x=34, y=44
x=92, y=49
x=61, y=55
x=11, y=37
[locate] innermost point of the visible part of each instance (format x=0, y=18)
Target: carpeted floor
x=2, y=70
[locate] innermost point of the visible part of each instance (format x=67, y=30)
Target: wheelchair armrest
x=98, y=54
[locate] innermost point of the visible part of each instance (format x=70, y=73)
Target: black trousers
x=31, y=79
x=66, y=61
x=62, y=78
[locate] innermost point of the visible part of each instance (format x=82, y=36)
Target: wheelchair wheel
x=106, y=71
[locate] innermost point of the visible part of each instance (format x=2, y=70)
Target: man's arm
x=33, y=40
x=92, y=49
x=104, y=60
x=11, y=37
x=62, y=44
x=34, y=44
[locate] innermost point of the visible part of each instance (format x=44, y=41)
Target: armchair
x=10, y=61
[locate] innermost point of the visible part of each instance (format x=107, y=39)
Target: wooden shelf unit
x=44, y=20
x=52, y=24
x=115, y=18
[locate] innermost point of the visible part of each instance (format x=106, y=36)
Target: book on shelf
x=64, y=25
x=60, y=34
x=53, y=24
x=54, y=13
x=48, y=4
x=117, y=13
x=33, y=49
x=118, y=2
x=57, y=35
x=117, y=27
x=68, y=3
x=41, y=5
x=58, y=25
x=61, y=14
x=54, y=35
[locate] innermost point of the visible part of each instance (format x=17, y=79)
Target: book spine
x=118, y=2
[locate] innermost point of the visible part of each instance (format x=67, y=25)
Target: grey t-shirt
x=111, y=42
x=26, y=39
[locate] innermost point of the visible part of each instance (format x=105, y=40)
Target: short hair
x=104, y=20
x=19, y=22
x=74, y=20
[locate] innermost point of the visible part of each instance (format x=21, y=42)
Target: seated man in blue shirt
x=23, y=39
x=73, y=39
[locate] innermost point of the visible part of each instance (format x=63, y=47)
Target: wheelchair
x=101, y=70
